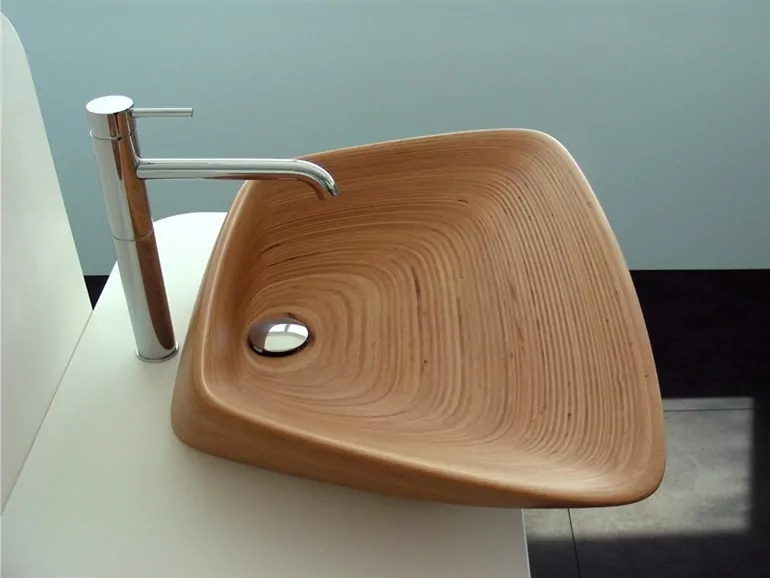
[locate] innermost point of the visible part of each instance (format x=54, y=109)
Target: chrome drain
x=278, y=337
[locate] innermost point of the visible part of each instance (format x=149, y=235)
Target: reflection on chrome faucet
x=122, y=172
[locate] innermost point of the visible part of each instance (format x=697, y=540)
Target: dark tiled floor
x=551, y=548
x=699, y=522
x=94, y=286
x=708, y=518
x=710, y=332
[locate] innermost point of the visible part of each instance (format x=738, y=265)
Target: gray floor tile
x=712, y=403
x=549, y=540
x=708, y=518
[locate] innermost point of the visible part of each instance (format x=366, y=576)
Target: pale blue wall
x=664, y=103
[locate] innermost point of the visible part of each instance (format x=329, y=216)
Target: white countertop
x=108, y=491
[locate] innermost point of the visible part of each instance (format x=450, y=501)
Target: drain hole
x=278, y=337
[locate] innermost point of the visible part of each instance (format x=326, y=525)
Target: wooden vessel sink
x=475, y=335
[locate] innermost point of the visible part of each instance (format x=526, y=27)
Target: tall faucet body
x=123, y=172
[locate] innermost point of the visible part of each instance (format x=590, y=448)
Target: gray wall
x=664, y=103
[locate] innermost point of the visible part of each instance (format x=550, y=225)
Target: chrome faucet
x=123, y=172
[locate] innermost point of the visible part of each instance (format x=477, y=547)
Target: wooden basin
x=475, y=335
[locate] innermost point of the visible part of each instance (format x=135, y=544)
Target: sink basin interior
x=474, y=333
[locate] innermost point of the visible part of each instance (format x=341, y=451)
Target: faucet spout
x=123, y=172
x=240, y=169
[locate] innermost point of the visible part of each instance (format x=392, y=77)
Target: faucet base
x=146, y=300
x=173, y=352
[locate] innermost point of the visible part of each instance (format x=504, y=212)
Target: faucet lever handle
x=162, y=112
